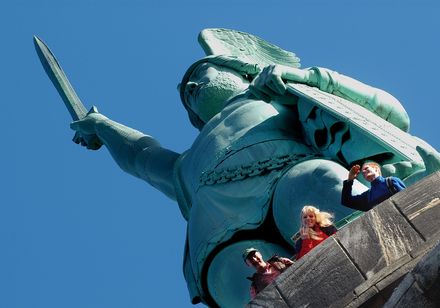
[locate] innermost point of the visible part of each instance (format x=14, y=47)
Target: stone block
x=345, y=301
x=399, y=270
x=420, y=287
x=327, y=269
x=378, y=239
x=385, y=273
x=268, y=298
x=409, y=294
x=370, y=299
x=426, y=247
x=420, y=203
x=426, y=273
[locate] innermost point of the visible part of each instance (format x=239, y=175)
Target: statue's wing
x=246, y=47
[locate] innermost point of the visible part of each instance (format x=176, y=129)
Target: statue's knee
x=227, y=273
x=389, y=108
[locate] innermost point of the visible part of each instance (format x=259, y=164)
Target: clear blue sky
x=75, y=231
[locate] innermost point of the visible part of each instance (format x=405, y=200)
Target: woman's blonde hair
x=323, y=219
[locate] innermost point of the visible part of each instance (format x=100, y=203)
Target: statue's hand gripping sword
x=66, y=91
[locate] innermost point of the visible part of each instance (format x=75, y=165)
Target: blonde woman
x=316, y=226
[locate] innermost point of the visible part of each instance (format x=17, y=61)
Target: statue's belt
x=256, y=168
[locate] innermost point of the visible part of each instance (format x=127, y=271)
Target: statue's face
x=210, y=87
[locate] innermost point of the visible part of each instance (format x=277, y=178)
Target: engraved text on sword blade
x=60, y=81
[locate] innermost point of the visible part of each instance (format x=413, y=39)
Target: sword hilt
x=92, y=142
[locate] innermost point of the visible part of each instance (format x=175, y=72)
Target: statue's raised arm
x=136, y=153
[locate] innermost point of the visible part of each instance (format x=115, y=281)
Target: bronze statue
x=273, y=138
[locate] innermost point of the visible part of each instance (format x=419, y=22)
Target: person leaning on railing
x=316, y=226
x=381, y=188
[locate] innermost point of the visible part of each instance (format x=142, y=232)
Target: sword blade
x=59, y=80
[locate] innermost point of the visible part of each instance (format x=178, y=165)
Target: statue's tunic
x=219, y=196
x=246, y=133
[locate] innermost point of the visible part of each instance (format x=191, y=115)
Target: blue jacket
x=378, y=192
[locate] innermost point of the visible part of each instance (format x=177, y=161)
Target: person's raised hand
x=354, y=172
x=304, y=232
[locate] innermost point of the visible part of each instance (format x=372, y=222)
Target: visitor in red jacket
x=316, y=226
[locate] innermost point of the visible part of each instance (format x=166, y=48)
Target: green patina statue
x=273, y=138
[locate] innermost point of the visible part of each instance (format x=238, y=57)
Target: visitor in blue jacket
x=381, y=188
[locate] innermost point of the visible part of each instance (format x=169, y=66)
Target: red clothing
x=263, y=279
x=308, y=244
